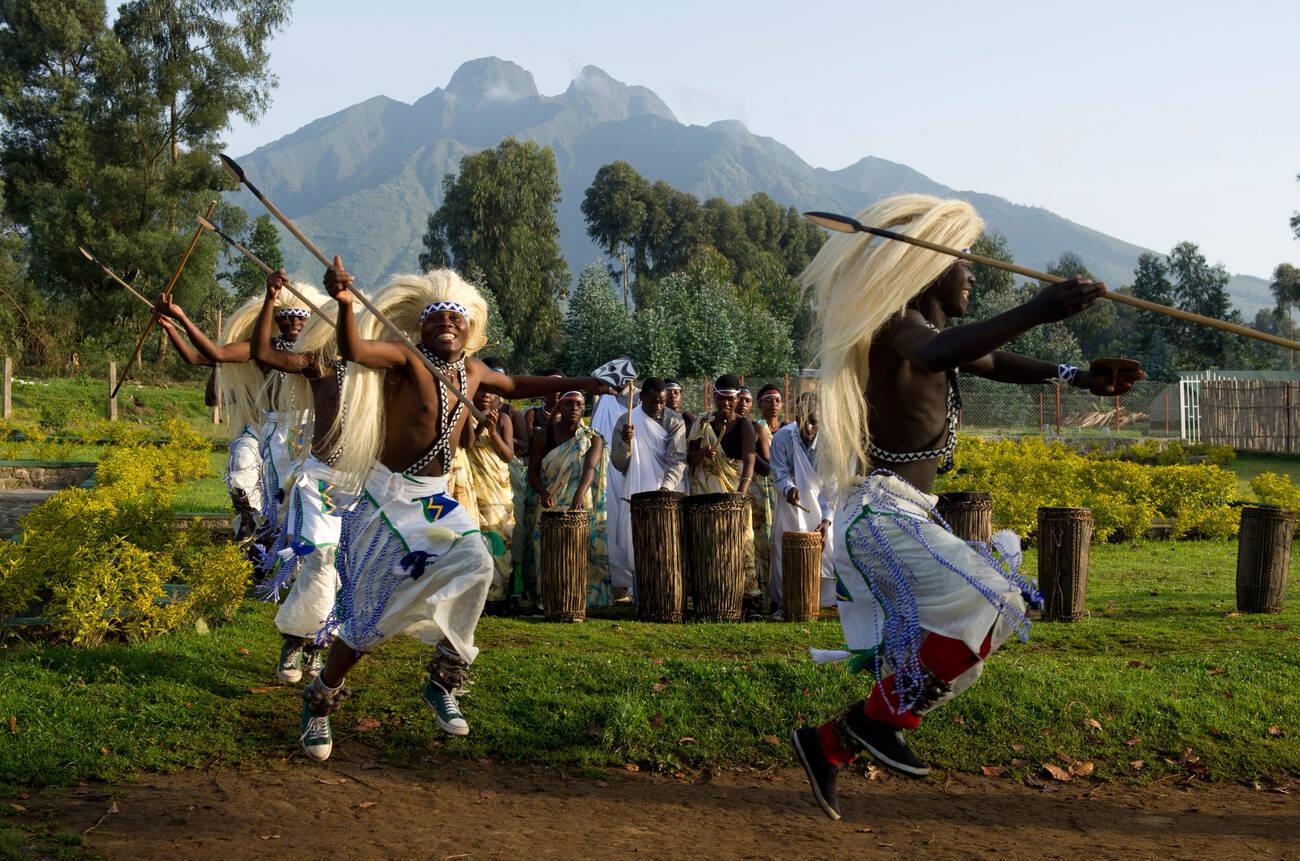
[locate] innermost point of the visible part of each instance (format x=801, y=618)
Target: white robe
x=787, y=518
x=647, y=465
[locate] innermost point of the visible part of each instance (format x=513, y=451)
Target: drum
x=1263, y=557
x=657, y=549
x=970, y=514
x=715, y=554
x=1063, y=538
x=565, y=547
x=801, y=572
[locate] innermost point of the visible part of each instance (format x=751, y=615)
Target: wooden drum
x=1263, y=557
x=801, y=576
x=715, y=555
x=565, y=546
x=970, y=514
x=1063, y=538
x=657, y=549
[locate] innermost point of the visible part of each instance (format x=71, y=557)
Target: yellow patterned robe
x=490, y=478
x=722, y=475
x=561, y=474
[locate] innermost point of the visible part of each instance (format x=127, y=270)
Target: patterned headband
x=292, y=312
x=574, y=396
x=672, y=387
x=454, y=307
x=726, y=393
x=744, y=390
x=769, y=395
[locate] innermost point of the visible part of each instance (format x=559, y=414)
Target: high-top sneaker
x=289, y=669
x=315, y=734
x=313, y=661
x=821, y=773
x=447, y=675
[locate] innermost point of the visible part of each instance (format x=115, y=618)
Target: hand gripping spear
x=167, y=294
x=233, y=168
x=257, y=261
x=111, y=274
x=844, y=224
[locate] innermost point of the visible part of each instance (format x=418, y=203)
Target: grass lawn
x=1162, y=677
x=1249, y=464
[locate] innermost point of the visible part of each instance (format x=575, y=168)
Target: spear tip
x=840, y=223
x=232, y=167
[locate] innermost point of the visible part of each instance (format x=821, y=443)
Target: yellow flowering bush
x=1271, y=488
x=1126, y=497
x=93, y=562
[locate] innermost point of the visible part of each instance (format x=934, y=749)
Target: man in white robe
x=801, y=506
x=647, y=453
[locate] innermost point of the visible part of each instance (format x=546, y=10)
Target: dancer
x=261, y=453
x=566, y=469
x=720, y=454
x=920, y=607
x=801, y=506
x=649, y=453
x=674, y=391
x=414, y=562
x=312, y=383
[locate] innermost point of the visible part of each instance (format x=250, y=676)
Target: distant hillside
x=362, y=182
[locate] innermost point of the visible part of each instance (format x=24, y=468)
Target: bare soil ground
x=353, y=808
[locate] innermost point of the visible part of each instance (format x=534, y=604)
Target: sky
x=1155, y=122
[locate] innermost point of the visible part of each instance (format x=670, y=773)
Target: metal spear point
x=233, y=168
x=845, y=224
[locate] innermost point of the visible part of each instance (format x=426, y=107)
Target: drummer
x=801, y=505
x=649, y=452
x=721, y=454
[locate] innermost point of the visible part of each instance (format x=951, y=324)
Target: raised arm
x=183, y=347
x=501, y=431
x=380, y=355
x=960, y=346
x=263, y=352
x=215, y=353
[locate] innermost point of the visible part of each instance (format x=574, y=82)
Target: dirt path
x=353, y=809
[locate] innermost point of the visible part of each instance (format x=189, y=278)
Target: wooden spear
x=167, y=295
x=844, y=224
x=257, y=261
x=233, y=168
x=111, y=274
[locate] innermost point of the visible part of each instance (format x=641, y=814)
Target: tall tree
x=1203, y=289
x=245, y=279
x=615, y=209
x=498, y=216
x=1095, y=328
x=1286, y=295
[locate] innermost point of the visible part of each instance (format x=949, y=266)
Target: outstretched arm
x=261, y=341
x=380, y=355
x=1007, y=367
x=513, y=388
x=183, y=347
x=215, y=353
x=965, y=345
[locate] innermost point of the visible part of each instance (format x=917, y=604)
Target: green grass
x=1162, y=663
x=88, y=399
x=1249, y=464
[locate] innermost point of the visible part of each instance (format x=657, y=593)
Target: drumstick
x=798, y=506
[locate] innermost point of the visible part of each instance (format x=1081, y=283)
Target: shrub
x=1273, y=489
x=96, y=560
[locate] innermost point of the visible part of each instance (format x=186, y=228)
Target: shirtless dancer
x=415, y=563
x=919, y=606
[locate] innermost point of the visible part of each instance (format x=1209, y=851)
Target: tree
x=1203, y=289
x=596, y=325
x=615, y=209
x=1286, y=295
x=654, y=342
x=246, y=279
x=992, y=285
x=110, y=135
x=498, y=215
x=1095, y=328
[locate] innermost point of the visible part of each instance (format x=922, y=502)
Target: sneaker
x=445, y=708
x=622, y=595
x=315, y=734
x=885, y=743
x=313, y=661
x=289, y=670
x=821, y=774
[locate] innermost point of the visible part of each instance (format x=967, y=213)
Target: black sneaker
x=821, y=774
x=883, y=742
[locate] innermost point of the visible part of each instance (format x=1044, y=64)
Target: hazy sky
x=1152, y=121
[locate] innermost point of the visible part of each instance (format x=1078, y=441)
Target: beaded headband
x=574, y=396
x=726, y=393
x=454, y=307
x=292, y=312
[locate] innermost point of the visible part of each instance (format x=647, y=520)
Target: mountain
x=362, y=182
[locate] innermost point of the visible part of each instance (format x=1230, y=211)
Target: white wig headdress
x=403, y=300
x=859, y=284
x=243, y=385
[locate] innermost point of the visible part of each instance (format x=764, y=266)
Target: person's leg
x=322, y=697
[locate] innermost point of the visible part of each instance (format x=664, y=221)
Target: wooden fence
x=1254, y=415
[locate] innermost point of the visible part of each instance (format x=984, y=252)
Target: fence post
x=1040, y=411
x=112, y=384
x=1287, y=415
x=8, y=388
x=1166, y=413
